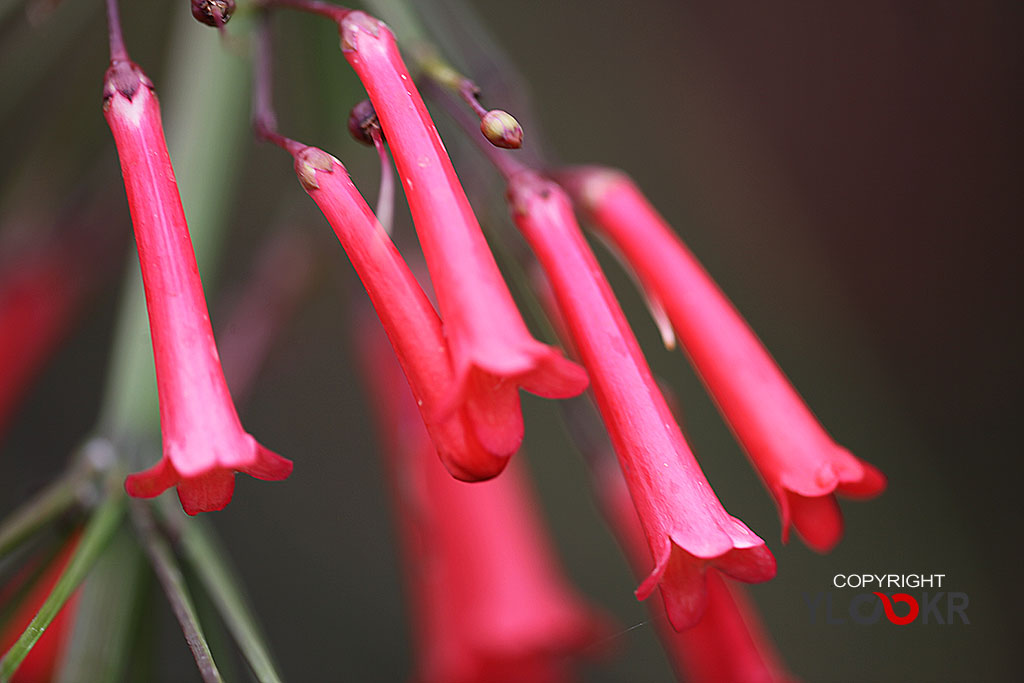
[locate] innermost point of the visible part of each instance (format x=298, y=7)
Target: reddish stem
x=324, y=9
x=470, y=92
x=118, y=53
x=264, y=119
x=504, y=162
x=386, y=192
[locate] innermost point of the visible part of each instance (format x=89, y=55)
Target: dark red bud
x=362, y=122
x=213, y=12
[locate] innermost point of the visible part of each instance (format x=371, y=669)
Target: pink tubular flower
x=799, y=462
x=492, y=351
x=411, y=323
x=686, y=526
x=203, y=442
x=490, y=604
x=729, y=643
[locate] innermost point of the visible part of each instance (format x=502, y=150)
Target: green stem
x=222, y=645
x=107, y=620
x=203, y=551
x=173, y=583
x=47, y=505
x=97, y=533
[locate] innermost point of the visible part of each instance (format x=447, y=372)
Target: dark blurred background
x=849, y=174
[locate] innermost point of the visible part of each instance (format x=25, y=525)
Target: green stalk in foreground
x=202, y=550
x=173, y=583
x=74, y=486
x=107, y=623
x=98, y=531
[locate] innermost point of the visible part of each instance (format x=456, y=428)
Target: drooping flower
x=409, y=318
x=490, y=604
x=799, y=462
x=729, y=643
x=492, y=351
x=686, y=526
x=203, y=441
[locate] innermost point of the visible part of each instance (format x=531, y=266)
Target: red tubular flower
x=490, y=604
x=492, y=352
x=686, y=526
x=799, y=462
x=411, y=323
x=729, y=643
x=41, y=661
x=203, y=442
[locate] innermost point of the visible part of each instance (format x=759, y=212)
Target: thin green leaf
x=106, y=622
x=203, y=551
x=98, y=531
x=173, y=583
x=54, y=500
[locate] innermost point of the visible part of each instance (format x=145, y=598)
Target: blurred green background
x=848, y=173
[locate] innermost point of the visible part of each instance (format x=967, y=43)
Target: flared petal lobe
x=729, y=643
x=203, y=441
x=686, y=526
x=493, y=353
x=490, y=604
x=408, y=317
x=799, y=462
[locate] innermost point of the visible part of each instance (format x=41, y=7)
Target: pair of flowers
x=465, y=368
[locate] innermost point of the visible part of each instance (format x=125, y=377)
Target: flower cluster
x=489, y=601
x=466, y=363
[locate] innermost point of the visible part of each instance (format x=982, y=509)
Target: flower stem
x=386, y=193
x=118, y=53
x=264, y=118
x=505, y=163
x=324, y=9
x=107, y=619
x=46, y=506
x=98, y=532
x=173, y=583
x=203, y=552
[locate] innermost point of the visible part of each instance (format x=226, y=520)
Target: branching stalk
x=173, y=583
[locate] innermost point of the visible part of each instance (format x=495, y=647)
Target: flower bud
x=213, y=12
x=501, y=129
x=362, y=122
